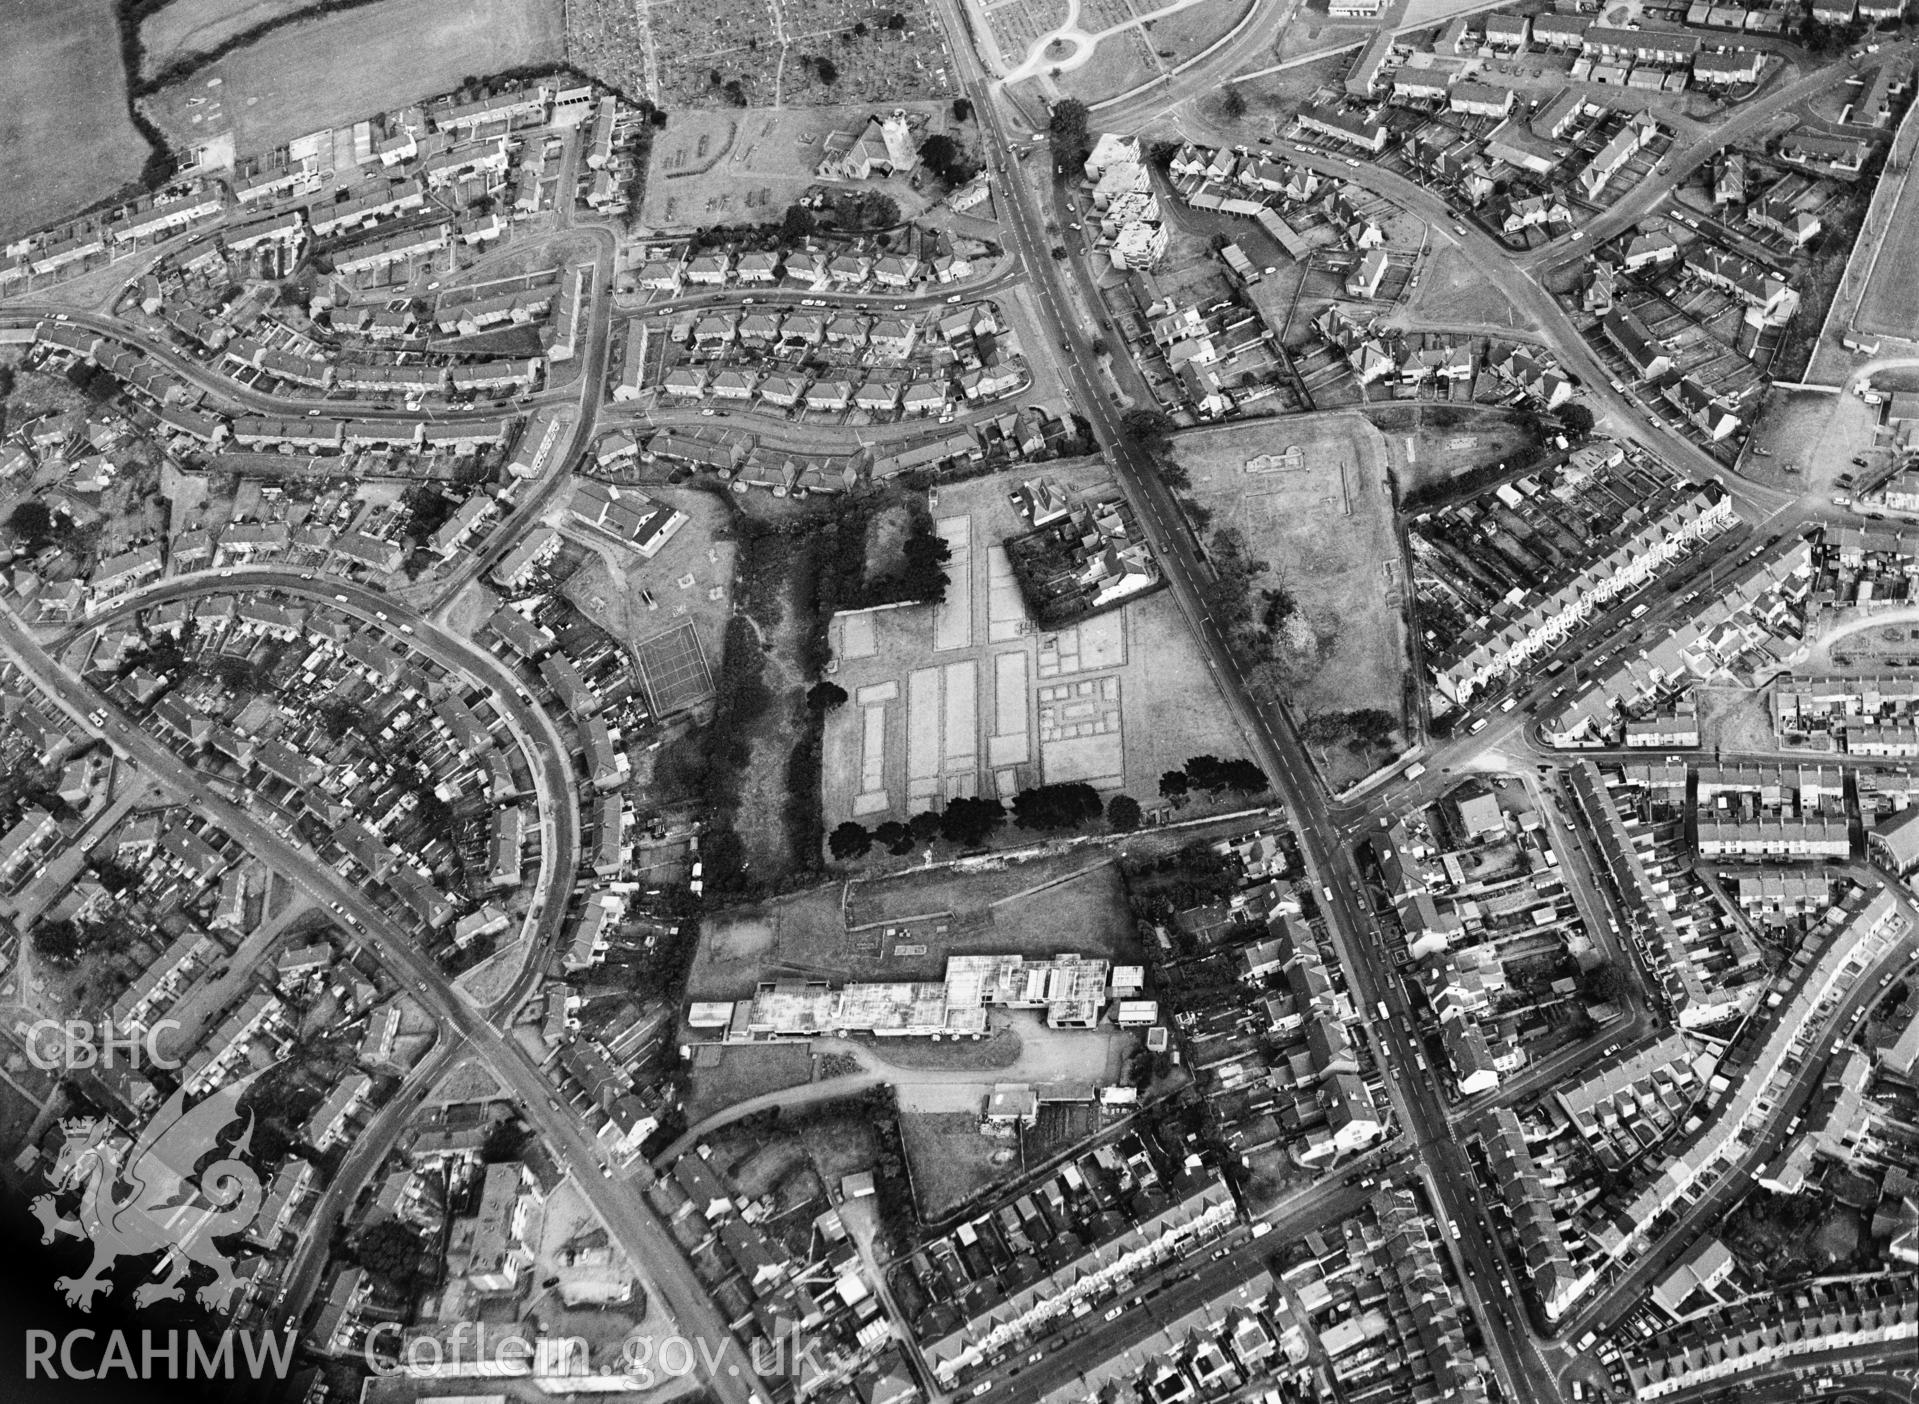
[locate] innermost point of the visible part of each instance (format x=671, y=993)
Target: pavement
x=1414, y=1095
x=555, y=784
x=631, y=1223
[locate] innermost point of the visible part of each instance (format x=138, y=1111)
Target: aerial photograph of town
x=654, y=748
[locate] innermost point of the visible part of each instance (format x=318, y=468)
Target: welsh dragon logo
x=149, y=1200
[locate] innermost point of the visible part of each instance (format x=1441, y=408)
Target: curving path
x=1084, y=42
x=548, y=755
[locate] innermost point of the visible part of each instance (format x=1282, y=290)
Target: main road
x=641, y=1235
x=1280, y=753
x=547, y=752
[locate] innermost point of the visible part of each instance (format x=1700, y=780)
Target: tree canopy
x=1067, y=132
x=849, y=841
x=969, y=821
x=1064, y=806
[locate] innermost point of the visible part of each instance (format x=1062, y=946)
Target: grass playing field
x=334, y=70
x=1890, y=305
x=65, y=139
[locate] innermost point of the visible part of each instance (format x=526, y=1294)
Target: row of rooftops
x=1529, y=1202
x=1190, y=1207
x=1743, y=617
x=1071, y=990
x=439, y=153
x=1855, y=937
x=1527, y=624
x=1698, y=993
x=136, y=370
x=1750, y=1337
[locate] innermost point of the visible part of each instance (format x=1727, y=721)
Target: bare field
x=333, y=70
x=65, y=138
x=744, y=1072
x=200, y=26
x=1452, y=293
x=746, y=165
x=1816, y=435
x=1310, y=498
x=951, y=1160
x=1435, y=443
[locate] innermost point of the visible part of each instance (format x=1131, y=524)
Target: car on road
x=313, y=414
x=226, y=574
x=306, y=575
x=1113, y=1315
x=954, y=298
x=899, y=307
x=339, y=599
x=709, y=412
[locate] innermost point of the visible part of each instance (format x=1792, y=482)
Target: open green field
x=334, y=70
x=1189, y=32
x=65, y=138
x=1119, y=64
x=1890, y=304
x=951, y=1160
x=1036, y=909
x=1309, y=497
x=1453, y=294
x=200, y=26
x=745, y=165
x=741, y=1073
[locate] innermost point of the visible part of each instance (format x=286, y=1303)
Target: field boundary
x=1867, y=223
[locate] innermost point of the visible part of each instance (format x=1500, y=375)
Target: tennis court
x=674, y=667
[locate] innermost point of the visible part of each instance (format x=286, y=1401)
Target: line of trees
x=1213, y=776
x=967, y=822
